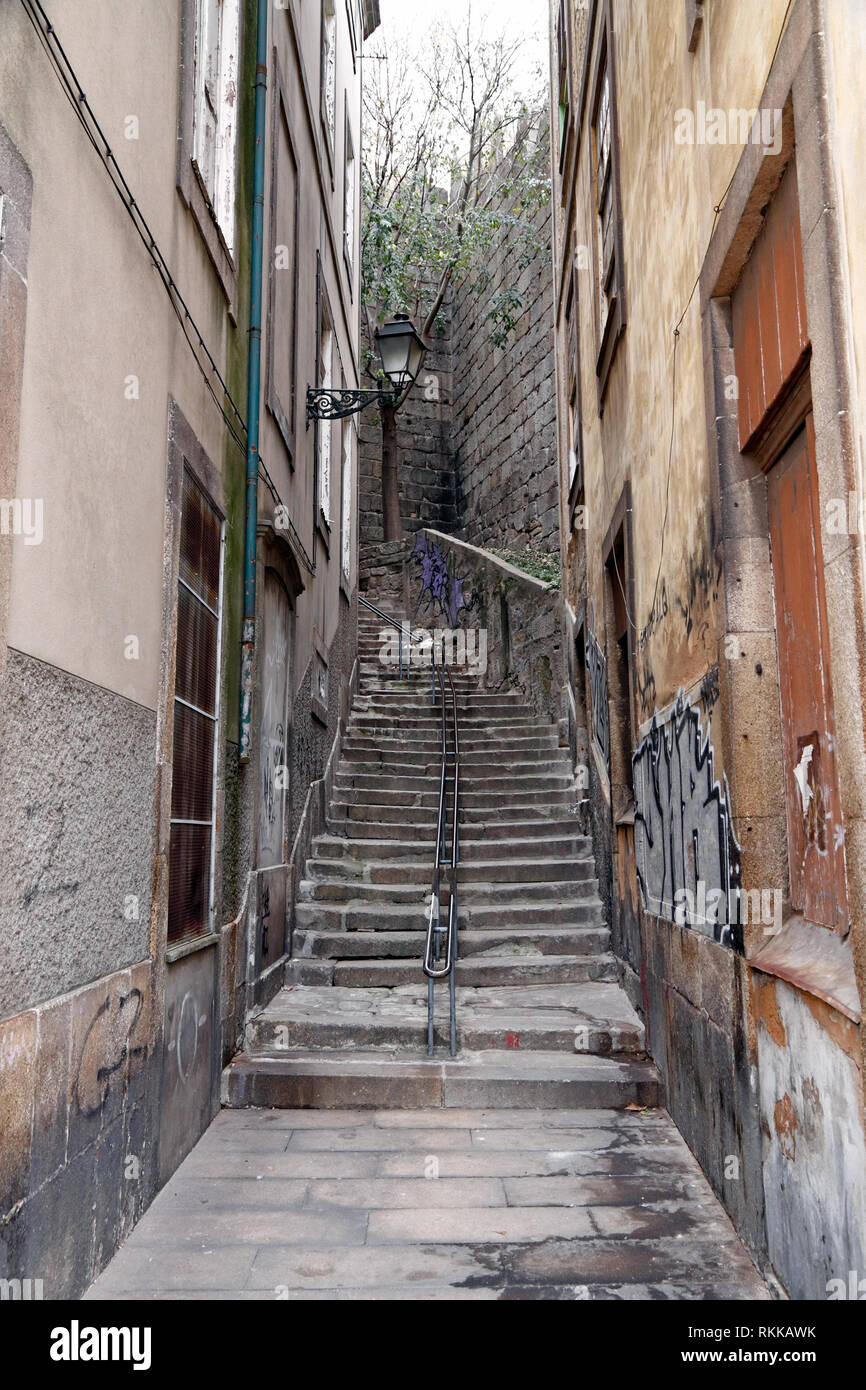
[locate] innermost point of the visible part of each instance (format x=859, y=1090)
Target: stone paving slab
x=357, y=1205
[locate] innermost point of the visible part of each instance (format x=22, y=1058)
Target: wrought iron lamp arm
x=323, y=403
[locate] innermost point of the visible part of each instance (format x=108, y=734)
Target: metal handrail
x=434, y=948
x=392, y=622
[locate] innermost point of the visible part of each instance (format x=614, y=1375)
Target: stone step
x=507, y=972
x=427, y=729
x=493, y=1080
x=517, y=782
x=371, y=668
x=379, y=912
x=473, y=770
x=489, y=800
x=411, y=762
x=359, y=811
x=470, y=833
x=472, y=851
x=426, y=748
x=408, y=701
x=318, y=944
x=535, y=871
x=594, y=1018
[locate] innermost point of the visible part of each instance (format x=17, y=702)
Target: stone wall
x=477, y=433
x=503, y=439
x=426, y=477
x=520, y=615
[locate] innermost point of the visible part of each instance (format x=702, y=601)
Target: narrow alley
x=433, y=665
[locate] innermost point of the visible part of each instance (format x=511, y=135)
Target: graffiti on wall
x=107, y=1046
x=596, y=673
x=443, y=592
x=687, y=855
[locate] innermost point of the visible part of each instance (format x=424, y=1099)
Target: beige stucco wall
x=319, y=607
x=669, y=191
x=98, y=314
x=846, y=39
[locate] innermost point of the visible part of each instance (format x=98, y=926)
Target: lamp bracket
x=326, y=404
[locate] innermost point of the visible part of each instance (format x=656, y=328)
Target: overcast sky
x=528, y=19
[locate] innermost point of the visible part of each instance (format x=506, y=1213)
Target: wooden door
x=816, y=845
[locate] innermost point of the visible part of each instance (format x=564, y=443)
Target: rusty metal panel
x=768, y=308
x=816, y=846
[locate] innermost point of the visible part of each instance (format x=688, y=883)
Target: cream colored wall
x=296, y=486
x=668, y=195
x=846, y=39
x=96, y=315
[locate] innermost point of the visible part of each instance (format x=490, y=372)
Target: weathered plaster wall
x=78, y=1095
x=700, y=614
x=76, y=832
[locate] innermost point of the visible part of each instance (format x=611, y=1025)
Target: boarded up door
x=815, y=832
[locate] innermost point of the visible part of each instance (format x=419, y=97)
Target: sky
x=526, y=18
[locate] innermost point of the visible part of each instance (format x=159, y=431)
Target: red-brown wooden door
x=816, y=846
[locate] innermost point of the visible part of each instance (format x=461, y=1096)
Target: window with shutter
x=349, y=203
x=196, y=714
x=329, y=70
x=217, y=42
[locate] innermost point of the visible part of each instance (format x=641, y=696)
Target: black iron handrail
x=440, y=947
x=392, y=622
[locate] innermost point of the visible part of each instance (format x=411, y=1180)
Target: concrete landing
x=435, y=1204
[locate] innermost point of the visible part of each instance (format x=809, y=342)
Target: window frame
x=187, y=181
x=350, y=158
x=329, y=127
x=182, y=944
x=574, y=395
x=610, y=330
x=286, y=417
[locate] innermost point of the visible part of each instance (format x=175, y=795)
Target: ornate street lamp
x=401, y=350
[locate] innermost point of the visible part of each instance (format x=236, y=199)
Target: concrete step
x=472, y=849
x=471, y=833
x=507, y=972
x=479, y=721
x=592, y=1017
x=491, y=799
x=353, y=813
x=312, y=943
x=535, y=871
x=474, y=765
x=473, y=761
x=509, y=1079
x=518, y=784
x=410, y=702
x=378, y=911
x=426, y=748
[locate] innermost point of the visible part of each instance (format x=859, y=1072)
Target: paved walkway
x=444, y=1204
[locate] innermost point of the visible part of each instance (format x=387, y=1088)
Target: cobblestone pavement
x=435, y=1204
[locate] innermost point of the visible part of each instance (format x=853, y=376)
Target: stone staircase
x=541, y=1018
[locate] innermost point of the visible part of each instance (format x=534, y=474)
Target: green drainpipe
x=253, y=389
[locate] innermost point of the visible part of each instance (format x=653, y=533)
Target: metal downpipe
x=254, y=389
